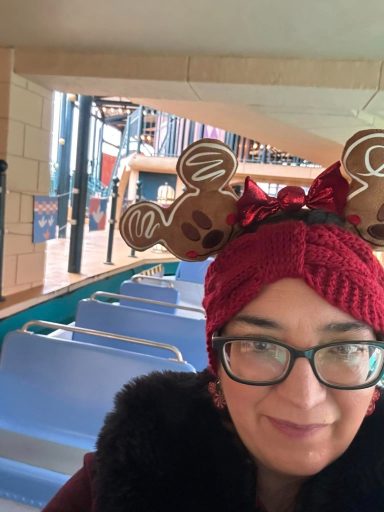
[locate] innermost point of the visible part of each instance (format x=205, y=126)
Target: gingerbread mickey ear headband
x=203, y=219
x=363, y=160
x=208, y=214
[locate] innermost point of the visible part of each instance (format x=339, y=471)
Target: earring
x=214, y=389
x=372, y=405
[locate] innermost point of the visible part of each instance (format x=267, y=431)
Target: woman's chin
x=298, y=465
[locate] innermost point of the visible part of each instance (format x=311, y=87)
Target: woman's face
x=299, y=426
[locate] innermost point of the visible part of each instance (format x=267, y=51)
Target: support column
x=140, y=128
x=64, y=163
x=80, y=184
x=3, y=192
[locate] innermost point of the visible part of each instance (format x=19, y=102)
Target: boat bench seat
x=187, y=334
x=54, y=395
x=149, y=291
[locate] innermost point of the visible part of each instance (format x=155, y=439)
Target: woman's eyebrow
x=335, y=327
x=344, y=327
x=257, y=321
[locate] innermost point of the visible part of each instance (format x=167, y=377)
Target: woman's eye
x=347, y=349
x=255, y=346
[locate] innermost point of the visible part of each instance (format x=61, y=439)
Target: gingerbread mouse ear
x=363, y=160
x=199, y=222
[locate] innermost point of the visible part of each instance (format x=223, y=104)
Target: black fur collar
x=165, y=449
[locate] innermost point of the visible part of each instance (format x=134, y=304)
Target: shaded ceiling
x=300, y=75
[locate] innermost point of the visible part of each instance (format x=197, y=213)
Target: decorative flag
x=97, y=213
x=44, y=218
x=214, y=133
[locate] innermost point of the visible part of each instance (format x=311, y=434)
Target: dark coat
x=166, y=448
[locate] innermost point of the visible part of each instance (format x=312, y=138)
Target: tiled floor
x=93, y=259
x=59, y=281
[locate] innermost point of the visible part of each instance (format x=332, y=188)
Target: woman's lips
x=295, y=430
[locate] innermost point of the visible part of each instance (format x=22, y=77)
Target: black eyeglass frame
x=218, y=344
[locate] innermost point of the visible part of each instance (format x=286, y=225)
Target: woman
x=288, y=418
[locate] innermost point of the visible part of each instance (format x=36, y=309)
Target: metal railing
x=139, y=277
x=104, y=334
x=118, y=296
x=164, y=134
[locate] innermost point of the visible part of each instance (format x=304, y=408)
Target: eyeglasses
x=262, y=361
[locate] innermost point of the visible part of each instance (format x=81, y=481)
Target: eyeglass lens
x=345, y=364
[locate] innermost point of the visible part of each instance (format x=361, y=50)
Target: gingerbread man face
x=363, y=160
x=203, y=219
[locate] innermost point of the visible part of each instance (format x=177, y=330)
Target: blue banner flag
x=44, y=218
x=97, y=213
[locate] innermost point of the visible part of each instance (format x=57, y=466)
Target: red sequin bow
x=328, y=192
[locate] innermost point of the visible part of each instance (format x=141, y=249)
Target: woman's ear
x=207, y=164
x=201, y=221
x=363, y=160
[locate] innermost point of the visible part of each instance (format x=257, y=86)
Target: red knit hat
x=335, y=263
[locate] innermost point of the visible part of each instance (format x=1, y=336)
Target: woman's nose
x=301, y=387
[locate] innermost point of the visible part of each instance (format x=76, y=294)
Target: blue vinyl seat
x=187, y=334
x=150, y=291
x=193, y=271
x=54, y=395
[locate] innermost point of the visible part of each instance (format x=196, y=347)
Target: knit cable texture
x=334, y=262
